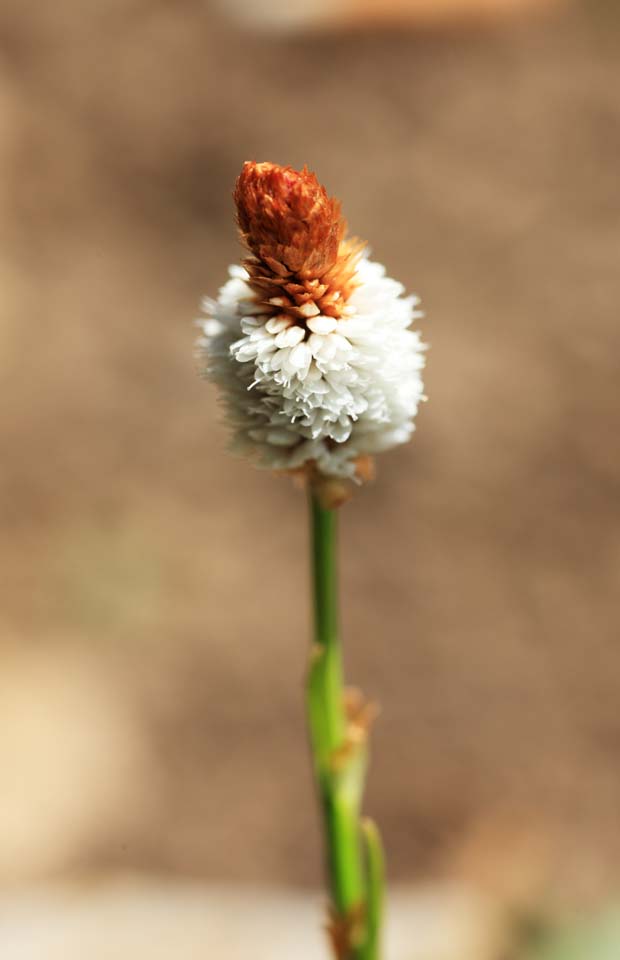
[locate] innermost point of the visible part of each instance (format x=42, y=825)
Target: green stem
x=339, y=770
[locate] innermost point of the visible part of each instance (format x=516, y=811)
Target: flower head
x=308, y=340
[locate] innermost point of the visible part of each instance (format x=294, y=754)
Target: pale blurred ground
x=163, y=921
x=154, y=612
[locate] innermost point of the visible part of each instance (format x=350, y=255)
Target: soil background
x=154, y=612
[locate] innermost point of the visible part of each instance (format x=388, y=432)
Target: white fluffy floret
x=338, y=390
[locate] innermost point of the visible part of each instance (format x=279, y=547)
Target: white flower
x=315, y=388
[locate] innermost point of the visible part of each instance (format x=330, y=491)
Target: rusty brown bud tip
x=287, y=220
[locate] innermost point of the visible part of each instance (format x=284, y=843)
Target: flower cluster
x=309, y=341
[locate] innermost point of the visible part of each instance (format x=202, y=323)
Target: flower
x=309, y=341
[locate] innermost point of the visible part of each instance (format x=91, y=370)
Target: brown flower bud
x=287, y=220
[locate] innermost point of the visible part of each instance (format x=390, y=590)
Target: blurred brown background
x=154, y=610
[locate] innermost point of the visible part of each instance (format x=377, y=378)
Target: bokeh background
x=154, y=614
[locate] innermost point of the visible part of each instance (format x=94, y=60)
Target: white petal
x=309, y=309
x=322, y=324
x=290, y=337
x=238, y=272
x=341, y=343
x=278, y=324
x=267, y=345
x=278, y=359
x=300, y=357
x=211, y=328
x=246, y=352
x=313, y=373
